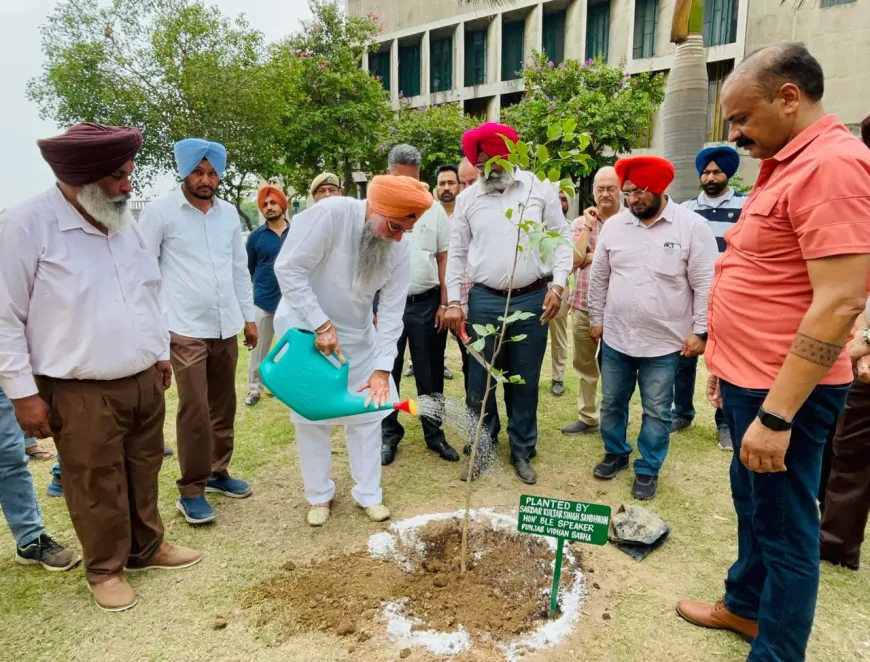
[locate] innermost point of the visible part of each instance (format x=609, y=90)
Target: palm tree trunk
x=684, y=111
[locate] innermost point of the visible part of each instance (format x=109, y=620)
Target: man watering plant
x=337, y=255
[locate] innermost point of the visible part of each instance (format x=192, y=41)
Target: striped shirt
x=722, y=212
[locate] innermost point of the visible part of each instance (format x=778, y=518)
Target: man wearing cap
x=648, y=305
x=338, y=254
x=263, y=246
x=325, y=185
x=197, y=239
x=84, y=352
x=483, y=245
x=720, y=205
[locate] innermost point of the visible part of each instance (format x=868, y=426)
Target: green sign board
x=574, y=521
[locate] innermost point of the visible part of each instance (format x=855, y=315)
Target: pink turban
x=486, y=138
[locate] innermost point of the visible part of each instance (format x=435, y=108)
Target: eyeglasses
x=612, y=190
x=398, y=228
x=635, y=193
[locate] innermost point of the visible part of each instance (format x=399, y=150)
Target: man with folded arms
x=338, y=254
x=85, y=352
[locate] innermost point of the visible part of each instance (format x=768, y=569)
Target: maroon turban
x=486, y=138
x=88, y=152
x=865, y=130
x=652, y=173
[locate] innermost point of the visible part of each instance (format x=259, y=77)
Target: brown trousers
x=847, y=503
x=109, y=435
x=205, y=374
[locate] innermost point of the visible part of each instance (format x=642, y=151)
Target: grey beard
x=497, y=181
x=113, y=213
x=374, y=254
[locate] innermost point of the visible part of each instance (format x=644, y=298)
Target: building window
x=597, y=30
x=409, y=70
x=379, y=65
x=475, y=58
x=513, y=35
x=834, y=3
x=645, y=18
x=554, y=37
x=717, y=127
x=720, y=22
x=441, y=64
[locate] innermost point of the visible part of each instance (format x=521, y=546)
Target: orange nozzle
x=409, y=406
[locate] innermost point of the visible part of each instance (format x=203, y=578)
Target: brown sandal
x=39, y=454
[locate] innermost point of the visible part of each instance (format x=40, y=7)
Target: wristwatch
x=702, y=336
x=773, y=421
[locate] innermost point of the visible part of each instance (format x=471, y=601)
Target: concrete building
x=436, y=51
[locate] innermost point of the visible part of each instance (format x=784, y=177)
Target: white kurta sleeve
x=391, y=310
x=307, y=242
x=457, y=256
x=19, y=260
x=241, y=278
x=563, y=256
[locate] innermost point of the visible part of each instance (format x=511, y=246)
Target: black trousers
x=427, y=346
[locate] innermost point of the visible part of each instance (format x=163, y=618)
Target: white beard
x=113, y=213
x=374, y=256
x=497, y=181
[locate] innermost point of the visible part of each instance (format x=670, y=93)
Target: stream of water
x=454, y=414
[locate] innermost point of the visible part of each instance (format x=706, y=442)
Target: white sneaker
x=378, y=512
x=319, y=515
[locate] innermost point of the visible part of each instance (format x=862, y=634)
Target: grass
x=51, y=616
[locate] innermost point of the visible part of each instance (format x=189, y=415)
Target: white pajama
x=266, y=333
x=315, y=458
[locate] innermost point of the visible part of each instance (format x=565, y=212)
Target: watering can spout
x=311, y=385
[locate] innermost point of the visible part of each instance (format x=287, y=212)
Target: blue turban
x=190, y=151
x=725, y=157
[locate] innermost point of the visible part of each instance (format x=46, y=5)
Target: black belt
x=424, y=295
x=539, y=284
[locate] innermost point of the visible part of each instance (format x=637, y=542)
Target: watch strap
x=773, y=421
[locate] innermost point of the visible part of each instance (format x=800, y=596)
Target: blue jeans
x=776, y=576
x=655, y=378
x=17, y=496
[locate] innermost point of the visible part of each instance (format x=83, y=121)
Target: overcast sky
x=23, y=173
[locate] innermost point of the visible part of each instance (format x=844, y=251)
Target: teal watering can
x=311, y=385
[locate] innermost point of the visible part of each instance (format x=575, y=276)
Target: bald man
x=467, y=174
x=605, y=191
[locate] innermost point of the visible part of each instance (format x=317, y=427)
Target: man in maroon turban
x=86, y=354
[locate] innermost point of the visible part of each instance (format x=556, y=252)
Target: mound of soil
x=504, y=593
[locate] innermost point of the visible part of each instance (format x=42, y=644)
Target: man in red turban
x=88, y=152
x=263, y=246
x=485, y=142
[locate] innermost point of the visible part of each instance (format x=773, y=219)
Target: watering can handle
x=284, y=341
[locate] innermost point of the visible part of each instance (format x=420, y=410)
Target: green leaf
x=524, y=161
x=516, y=379
x=569, y=125
x=492, y=330
x=541, y=175
x=518, y=315
x=478, y=344
x=480, y=330
x=519, y=337
x=514, y=158
x=542, y=154
x=523, y=148
x=569, y=137
x=554, y=175
x=509, y=212
x=553, y=132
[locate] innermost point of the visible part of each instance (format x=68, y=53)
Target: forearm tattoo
x=816, y=351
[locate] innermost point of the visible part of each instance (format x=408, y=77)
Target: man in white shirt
x=197, y=239
x=84, y=352
x=423, y=331
x=338, y=254
x=483, y=244
x=647, y=299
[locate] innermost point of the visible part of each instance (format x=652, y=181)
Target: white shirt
x=316, y=270
x=431, y=235
x=74, y=303
x=483, y=239
x=206, y=285
x=650, y=284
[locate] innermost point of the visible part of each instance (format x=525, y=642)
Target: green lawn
x=51, y=617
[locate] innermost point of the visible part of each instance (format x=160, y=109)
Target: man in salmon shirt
x=785, y=295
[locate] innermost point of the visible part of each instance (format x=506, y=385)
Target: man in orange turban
x=263, y=246
x=337, y=255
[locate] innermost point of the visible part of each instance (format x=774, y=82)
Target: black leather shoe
x=444, y=450
x=645, y=487
x=558, y=388
x=525, y=471
x=388, y=454
x=611, y=465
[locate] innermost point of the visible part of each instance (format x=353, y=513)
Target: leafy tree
x=333, y=111
x=610, y=105
x=435, y=130
x=172, y=68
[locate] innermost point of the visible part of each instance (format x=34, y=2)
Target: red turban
x=486, y=138
x=270, y=190
x=397, y=197
x=88, y=152
x=652, y=173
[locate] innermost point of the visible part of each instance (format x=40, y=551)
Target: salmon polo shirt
x=811, y=201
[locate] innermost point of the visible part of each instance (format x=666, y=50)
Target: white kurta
x=316, y=271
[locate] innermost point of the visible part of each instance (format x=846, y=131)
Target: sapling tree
x=563, y=148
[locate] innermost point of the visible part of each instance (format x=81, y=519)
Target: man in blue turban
x=207, y=291
x=720, y=204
